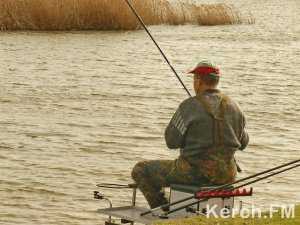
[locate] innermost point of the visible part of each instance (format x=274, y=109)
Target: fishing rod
x=164, y=56
x=156, y=44
x=231, y=189
x=225, y=186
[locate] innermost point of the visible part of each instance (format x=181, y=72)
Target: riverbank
x=276, y=220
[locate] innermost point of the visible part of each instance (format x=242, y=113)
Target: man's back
x=208, y=129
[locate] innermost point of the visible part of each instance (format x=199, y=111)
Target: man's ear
x=199, y=82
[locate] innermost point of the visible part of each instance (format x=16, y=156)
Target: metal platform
x=132, y=213
x=223, y=199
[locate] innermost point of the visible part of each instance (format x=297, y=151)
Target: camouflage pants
x=151, y=176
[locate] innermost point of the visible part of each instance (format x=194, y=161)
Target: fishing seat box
x=180, y=191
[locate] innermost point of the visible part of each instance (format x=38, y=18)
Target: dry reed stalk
x=108, y=14
x=219, y=14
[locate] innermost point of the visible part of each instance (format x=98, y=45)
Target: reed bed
x=109, y=14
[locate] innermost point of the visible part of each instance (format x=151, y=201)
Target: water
x=80, y=108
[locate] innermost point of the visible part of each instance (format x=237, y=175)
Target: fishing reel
x=98, y=195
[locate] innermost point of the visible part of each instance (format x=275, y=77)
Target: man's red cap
x=206, y=68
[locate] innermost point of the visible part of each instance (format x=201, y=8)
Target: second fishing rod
x=291, y=166
x=228, y=186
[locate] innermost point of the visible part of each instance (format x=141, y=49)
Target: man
x=208, y=128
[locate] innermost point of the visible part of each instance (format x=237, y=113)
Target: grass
x=276, y=220
x=109, y=14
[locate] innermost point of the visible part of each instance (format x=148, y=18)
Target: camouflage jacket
x=208, y=129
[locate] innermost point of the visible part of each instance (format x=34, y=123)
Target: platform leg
x=133, y=196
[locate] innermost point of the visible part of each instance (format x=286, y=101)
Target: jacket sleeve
x=175, y=131
x=244, y=136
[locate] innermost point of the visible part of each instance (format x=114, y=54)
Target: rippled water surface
x=81, y=108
